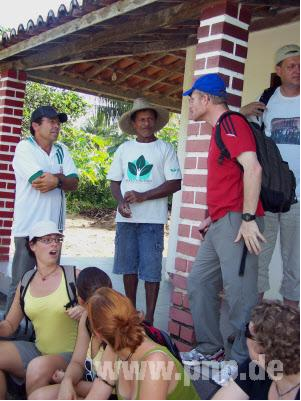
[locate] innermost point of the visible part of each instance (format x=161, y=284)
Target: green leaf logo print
x=139, y=170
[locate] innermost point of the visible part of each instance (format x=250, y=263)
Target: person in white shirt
x=44, y=170
x=281, y=119
x=143, y=173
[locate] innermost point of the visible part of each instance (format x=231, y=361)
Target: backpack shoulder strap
x=70, y=281
x=228, y=125
x=267, y=94
x=24, y=283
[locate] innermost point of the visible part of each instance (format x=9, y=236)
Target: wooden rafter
x=87, y=20
x=126, y=29
x=103, y=89
x=275, y=20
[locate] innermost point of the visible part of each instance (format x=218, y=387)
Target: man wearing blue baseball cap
x=231, y=229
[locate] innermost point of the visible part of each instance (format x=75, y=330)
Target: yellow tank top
x=55, y=331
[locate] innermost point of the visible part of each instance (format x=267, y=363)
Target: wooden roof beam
x=275, y=20
x=95, y=17
x=162, y=18
x=102, y=89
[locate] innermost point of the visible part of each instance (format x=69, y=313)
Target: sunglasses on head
x=248, y=334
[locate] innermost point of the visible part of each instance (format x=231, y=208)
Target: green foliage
x=64, y=101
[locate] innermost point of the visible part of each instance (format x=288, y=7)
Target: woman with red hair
x=132, y=364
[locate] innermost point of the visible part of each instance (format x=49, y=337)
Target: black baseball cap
x=48, y=111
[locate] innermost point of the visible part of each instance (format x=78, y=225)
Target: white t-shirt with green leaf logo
x=141, y=167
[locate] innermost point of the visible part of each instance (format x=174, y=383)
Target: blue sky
x=15, y=12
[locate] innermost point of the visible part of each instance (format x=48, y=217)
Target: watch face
x=248, y=217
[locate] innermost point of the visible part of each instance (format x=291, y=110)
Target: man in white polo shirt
x=44, y=170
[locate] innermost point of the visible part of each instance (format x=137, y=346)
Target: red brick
x=18, y=112
x=5, y=128
x=187, y=249
x=12, y=103
x=3, y=167
x=3, y=185
x=195, y=233
x=7, y=92
x=5, y=241
x=179, y=282
x=220, y=9
x=186, y=301
x=7, y=176
x=7, y=195
x=15, y=85
x=230, y=29
x=10, y=185
x=10, y=167
x=9, y=74
x=234, y=100
x=7, y=110
x=4, y=258
x=5, y=232
x=181, y=316
x=183, y=230
x=201, y=198
x=182, y=347
x=190, y=162
x=22, y=75
x=237, y=84
x=205, y=129
x=194, y=214
x=20, y=95
x=202, y=162
x=4, y=148
x=17, y=130
x=1, y=204
x=203, y=31
x=7, y=138
x=4, y=157
x=12, y=148
x=225, y=62
x=226, y=78
x=10, y=120
x=213, y=45
x=245, y=14
x=188, y=197
x=193, y=129
x=196, y=145
x=181, y=264
x=8, y=223
x=187, y=334
x=241, y=51
x=9, y=205
x=174, y=328
x=200, y=64
x=195, y=180
x=4, y=250
x=176, y=298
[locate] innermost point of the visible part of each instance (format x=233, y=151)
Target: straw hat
x=125, y=122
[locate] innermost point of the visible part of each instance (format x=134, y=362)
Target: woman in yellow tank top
x=76, y=381
x=44, y=302
x=132, y=363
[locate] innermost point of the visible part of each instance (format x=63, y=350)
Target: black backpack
x=70, y=280
x=162, y=338
x=278, y=183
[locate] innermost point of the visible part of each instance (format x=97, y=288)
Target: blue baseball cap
x=209, y=83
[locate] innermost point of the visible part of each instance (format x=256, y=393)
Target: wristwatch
x=59, y=183
x=248, y=216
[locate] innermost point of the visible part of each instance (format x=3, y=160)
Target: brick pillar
x=12, y=92
x=222, y=48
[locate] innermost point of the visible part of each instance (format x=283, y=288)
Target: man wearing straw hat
x=144, y=172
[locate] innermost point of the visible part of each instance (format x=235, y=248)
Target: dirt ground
x=92, y=237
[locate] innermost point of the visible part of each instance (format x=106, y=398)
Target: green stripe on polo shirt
x=59, y=153
x=35, y=175
x=72, y=175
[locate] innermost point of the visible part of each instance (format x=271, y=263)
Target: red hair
x=113, y=316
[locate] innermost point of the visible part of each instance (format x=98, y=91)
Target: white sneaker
x=195, y=357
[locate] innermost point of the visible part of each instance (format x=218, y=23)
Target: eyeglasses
x=47, y=241
x=89, y=373
x=248, y=334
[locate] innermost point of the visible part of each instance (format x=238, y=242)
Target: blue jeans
x=138, y=250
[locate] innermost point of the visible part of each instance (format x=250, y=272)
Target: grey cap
x=285, y=52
